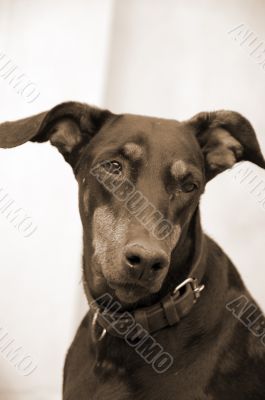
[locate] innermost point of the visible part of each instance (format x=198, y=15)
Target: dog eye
x=112, y=167
x=188, y=187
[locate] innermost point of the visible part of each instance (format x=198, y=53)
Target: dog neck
x=187, y=256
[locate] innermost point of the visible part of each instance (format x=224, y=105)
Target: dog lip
x=126, y=285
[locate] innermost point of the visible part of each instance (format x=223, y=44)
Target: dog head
x=140, y=180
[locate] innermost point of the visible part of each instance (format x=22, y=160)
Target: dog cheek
x=101, y=223
x=174, y=236
x=109, y=236
x=86, y=202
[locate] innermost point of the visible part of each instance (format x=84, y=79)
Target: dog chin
x=130, y=296
x=129, y=293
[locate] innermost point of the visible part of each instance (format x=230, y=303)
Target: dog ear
x=225, y=137
x=68, y=126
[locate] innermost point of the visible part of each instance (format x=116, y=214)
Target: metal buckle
x=94, y=325
x=197, y=289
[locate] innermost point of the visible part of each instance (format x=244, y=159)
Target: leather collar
x=167, y=312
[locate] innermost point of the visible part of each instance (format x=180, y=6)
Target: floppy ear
x=225, y=137
x=68, y=126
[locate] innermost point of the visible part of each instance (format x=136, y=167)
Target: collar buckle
x=196, y=288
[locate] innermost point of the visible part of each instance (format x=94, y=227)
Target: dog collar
x=167, y=312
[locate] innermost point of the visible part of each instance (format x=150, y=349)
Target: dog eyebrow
x=181, y=169
x=132, y=151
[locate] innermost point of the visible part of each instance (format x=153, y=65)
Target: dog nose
x=142, y=260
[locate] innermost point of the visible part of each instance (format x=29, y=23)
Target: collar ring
x=96, y=338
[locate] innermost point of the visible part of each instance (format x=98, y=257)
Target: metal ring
x=94, y=325
x=181, y=285
x=197, y=289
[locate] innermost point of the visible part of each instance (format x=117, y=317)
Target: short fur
x=215, y=356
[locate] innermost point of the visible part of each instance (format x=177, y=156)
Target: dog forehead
x=145, y=130
x=169, y=140
x=132, y=123
x=140, y=138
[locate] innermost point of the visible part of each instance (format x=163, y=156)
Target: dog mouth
x=128, y=292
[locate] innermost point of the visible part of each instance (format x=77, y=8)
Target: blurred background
x=169, y=58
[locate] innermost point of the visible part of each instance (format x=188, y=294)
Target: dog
x=169, y=315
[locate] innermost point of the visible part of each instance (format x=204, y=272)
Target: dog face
x=140, y=180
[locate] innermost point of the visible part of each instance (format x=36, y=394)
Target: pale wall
x=165, y=58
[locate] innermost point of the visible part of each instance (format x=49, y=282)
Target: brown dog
x=152, y=332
